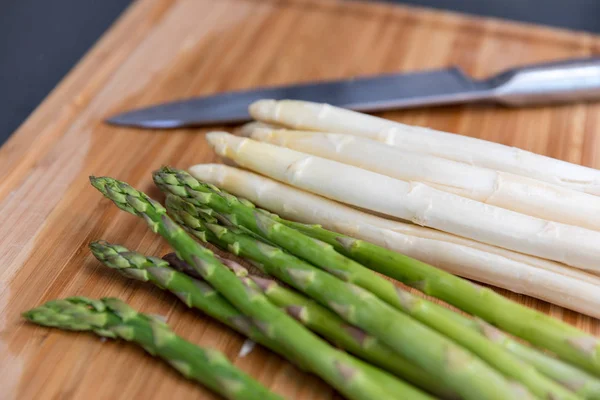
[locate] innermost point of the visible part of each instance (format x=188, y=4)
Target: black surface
x=41, y=40
x=583, y=15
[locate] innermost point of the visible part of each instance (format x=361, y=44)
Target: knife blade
x=570, y=80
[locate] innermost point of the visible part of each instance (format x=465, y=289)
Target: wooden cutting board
x=162, y=50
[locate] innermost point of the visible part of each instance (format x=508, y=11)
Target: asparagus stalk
x=468, y=375
x=473, y=151
x=521, y=273
x=327, y=324
x=514, y=192
x=563, y=339
x=353, y=379
x=110, y=317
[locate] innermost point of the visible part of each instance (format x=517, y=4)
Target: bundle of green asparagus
x=401, y=345
x=199, y=206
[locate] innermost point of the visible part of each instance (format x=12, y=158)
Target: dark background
x=41, y=40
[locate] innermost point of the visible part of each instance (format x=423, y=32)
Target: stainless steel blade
x=563, y=81
x=363, y=94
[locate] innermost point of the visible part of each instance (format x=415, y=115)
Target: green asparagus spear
x=469, y=376
x=113, y=318
x=326, y=323
x=353, y=379
x=238, y=213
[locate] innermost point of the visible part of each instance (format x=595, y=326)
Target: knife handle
x=565, y=81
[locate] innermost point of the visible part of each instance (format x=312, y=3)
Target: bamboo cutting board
x=163, y=50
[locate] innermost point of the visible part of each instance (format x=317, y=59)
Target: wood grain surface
x=163, y=50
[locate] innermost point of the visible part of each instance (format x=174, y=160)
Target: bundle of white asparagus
x=498, y=215
x=550, y=281
x=326, y=118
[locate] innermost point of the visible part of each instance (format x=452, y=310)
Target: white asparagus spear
x=482, y=153
x=525, y=195
x=532, y=276
x=415, y=202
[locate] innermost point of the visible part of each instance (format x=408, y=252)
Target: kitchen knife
x=564, y=81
